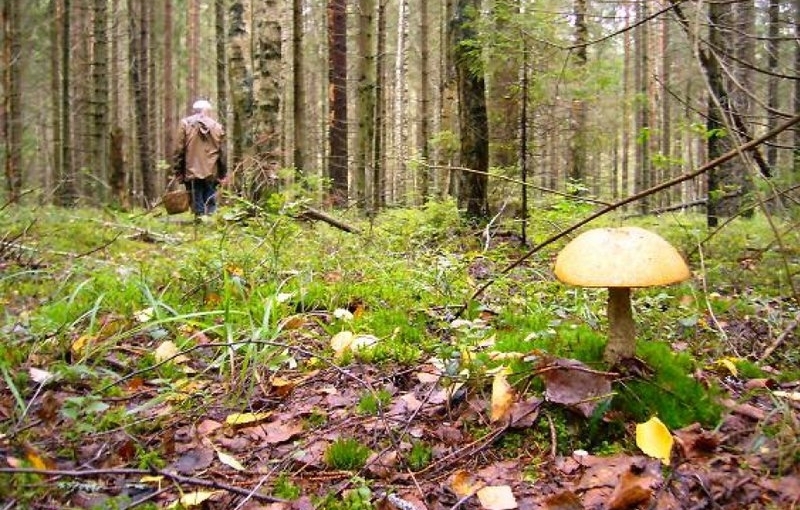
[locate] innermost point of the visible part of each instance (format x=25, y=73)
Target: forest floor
x=200, y=389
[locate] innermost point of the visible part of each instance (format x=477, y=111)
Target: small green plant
x=346, y=455
x=285, y=488
x=419, y=456
x=372, y=402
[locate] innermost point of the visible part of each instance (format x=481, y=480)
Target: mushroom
x=620, y=258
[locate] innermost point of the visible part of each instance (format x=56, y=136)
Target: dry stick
x=189, y=480
x=752, y=144
x=781, y=338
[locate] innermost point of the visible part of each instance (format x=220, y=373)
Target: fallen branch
x=781, y=338
x=189, y=480
x=314, y=214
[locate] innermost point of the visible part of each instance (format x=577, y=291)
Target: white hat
x=201, y=104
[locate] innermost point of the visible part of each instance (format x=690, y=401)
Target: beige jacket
x=200, y=149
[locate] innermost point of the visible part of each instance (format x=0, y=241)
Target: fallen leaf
x=502, y=397
x=566, y=500
x=341, y=341
x=80, y=344
x=463, y=484
x=631, y=491
x=242, y=419
x=39, y=376
x=194, y=460
x=497, y=497
x=196, y=498
x=571, y=383
x=654, y=439
x=229, y=460
x=143, y=315
x=169, y=351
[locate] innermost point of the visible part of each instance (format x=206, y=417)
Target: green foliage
x=285, y=488
x=419, y=456
x=371, y=403
x=346, y=454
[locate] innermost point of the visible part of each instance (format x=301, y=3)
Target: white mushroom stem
x=621, y=328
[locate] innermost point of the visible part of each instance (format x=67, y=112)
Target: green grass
x=238, y=283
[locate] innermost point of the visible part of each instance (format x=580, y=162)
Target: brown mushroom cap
x=620, y=257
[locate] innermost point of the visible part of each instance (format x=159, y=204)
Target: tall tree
x=473, y=119
x=100, y=128
x=170, y=113
x=139, y=68
x=378, y=159
x=299, y=88
x=67, y=186
x=424, y=100
x=366, y=100
x=11, y=125
x=796, y=101
x=337, y=100
x=773, y=52
x=577, y=171
x=193, y=50
x=241, y=80
x=641, y=72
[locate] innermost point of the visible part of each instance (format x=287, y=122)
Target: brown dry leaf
x=566, y=500
x=524, y=414
x=571, y=383
x=278, y=432
x=502, y=397
x=207, y=427
x=631, y=491
x=463, y=484
x=194, y=499
x=194, y=460
x=497, y=497
x=695, y=442
x=293, y=322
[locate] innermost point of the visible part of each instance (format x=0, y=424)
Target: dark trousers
x=204, y=196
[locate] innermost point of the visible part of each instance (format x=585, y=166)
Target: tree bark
x=100, y=128
x=337, y=100
x=378, y=159
x=474, y=124
x=577, y=170
x=299, y=118
x=424, y=102
x=366, y=102
x=11, y=124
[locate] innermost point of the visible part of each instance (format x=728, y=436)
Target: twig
x=189, y=480
x=469, y=449
x=781, y=338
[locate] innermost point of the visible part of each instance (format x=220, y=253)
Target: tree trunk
x=139, y=68
x=11, y=125
x=796, y=101
x=378, y=160
x=399, y=94
x=366, y=101
x=642, y=124
x=299, y=118
x=773, y=53
x=474, y=125
x=577, y=168
x=67, y=185
x=170, y=113
x=100, y=129
x=424, y=102
x=337, y=99
x=193, y=50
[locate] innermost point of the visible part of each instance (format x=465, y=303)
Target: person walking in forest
x=199, y=159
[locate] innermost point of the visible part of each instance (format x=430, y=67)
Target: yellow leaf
x=464, y=484
x=169, y=351
x=341, y=342
x=729, y=365
x=502, y=397
x=654, y=439
x=152, y=479
x=144, y=315
x=229, y=460
x=196, y=498
x=497, y=497
x=79, y=345
x=239, y=419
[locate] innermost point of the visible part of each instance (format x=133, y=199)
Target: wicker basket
x=176, y=201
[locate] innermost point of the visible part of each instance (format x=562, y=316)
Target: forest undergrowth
x=264, y=361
